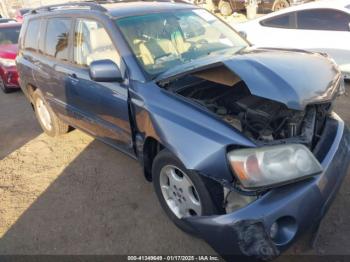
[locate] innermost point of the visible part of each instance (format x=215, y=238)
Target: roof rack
x=92, y=5
x=95, y=5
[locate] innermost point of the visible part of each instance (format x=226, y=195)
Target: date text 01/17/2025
x=174, y=258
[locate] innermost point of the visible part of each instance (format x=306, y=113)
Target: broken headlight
x=273, y=165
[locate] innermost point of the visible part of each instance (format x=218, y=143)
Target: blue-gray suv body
x=241, y=143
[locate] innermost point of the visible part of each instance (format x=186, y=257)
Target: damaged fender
x=181, y=127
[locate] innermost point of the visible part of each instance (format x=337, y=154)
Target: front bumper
x=296, y=207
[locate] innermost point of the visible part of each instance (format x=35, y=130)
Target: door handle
x=73, y=78
x=37, y=64
x=73, y=75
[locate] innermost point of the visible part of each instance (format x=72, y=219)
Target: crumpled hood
x=294, y=78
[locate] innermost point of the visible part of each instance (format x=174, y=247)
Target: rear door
x=326, y=30
x=56, y=59
x=276, y=31
x=27, y=58
x=52, y=56
x=99, y=108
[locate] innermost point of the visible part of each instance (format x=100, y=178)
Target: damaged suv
x=242, y=144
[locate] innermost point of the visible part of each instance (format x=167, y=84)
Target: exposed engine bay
x=262, y=120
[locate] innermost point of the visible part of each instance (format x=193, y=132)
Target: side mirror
x=243, y=34
x=105, y=71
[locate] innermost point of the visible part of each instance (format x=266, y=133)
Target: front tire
x=183, y=193
x=48, y=120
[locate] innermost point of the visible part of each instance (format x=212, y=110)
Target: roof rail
x=70, y=5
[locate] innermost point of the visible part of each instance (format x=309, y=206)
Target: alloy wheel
x=179, y=192
x=43, y=113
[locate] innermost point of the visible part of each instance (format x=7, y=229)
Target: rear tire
x=48, y=120
x=280, y=4
x=225, y=8
x=3, y=87
x=193, y=192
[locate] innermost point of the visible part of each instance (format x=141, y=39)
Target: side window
x=92, y=43
x=41, y=37
x=31, y=37
x=281, y=21
x=57, y=38
x=323, y=19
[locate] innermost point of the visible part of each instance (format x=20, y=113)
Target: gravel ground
x=75, y=195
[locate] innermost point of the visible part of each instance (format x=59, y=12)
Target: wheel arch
x=30, y=89
x=151, y=148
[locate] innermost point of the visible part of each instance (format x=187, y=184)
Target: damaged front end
x=280, y=114
x=255, y=96
x=264, y=121
x=263, y=224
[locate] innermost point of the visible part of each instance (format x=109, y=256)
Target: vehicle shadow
x=17, y=122
x=99, y=204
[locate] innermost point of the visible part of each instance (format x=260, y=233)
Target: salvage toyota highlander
x=242, y=144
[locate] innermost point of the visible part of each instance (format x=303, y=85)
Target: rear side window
x=281, y=21
x=31, y=38
x=323, y=19
x=57, y=38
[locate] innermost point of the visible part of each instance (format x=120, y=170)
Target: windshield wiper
x=187, y=66
x=224, y=51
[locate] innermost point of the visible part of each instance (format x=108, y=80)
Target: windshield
x=161, y=41
x=9, y=35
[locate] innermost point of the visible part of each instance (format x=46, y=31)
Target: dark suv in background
x=227, y=7
x=242, y=144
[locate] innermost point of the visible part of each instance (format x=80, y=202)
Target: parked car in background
x=20, y=13
x=9, y=34
x=7, y=20
x=322, y=26
x=227, y=7
x=242, y=150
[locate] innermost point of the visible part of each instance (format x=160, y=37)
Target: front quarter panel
x=198, y=139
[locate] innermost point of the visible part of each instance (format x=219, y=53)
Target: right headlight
x=273, y=165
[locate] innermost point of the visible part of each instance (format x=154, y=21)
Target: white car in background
x=322, y=26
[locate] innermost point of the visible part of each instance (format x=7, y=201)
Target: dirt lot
x=75, y=195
